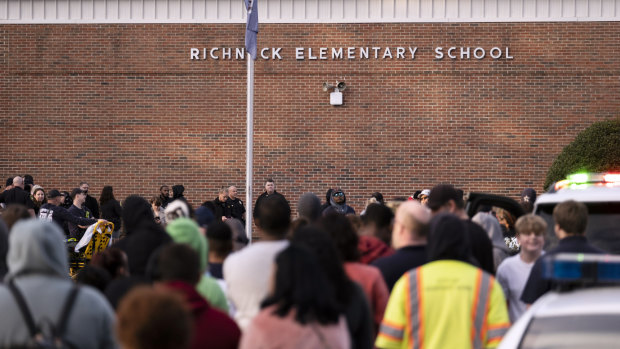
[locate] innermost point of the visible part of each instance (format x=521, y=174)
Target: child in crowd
x=513, y=272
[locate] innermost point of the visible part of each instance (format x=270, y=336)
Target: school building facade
x=482, y=94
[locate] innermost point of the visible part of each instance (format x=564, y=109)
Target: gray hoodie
x=38, y=264
x=492, y=227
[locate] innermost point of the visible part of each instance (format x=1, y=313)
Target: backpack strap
x=23, y=308
x=27, y=315
x=66, y=311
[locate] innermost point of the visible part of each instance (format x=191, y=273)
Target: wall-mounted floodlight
x=335, y=98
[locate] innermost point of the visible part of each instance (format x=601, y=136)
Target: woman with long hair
x=158, y=210
x=38, y=198
x=506, y=222
x=349, y=295
x=369, y=277
x=301, y=311
x=111, y=210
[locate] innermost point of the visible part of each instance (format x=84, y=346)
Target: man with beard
x=91, y=203
x=338, y=203
x=164, y=195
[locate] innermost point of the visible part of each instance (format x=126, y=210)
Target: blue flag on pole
x=251, y=28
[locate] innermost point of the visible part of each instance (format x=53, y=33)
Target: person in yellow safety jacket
x=448, y=302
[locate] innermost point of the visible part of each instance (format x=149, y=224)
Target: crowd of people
x=416, y=272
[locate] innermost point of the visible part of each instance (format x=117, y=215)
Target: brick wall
x=124, y=105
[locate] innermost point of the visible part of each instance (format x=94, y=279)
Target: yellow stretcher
x=96, y=240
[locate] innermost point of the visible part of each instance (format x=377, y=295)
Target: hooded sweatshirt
x=177, y=192
x=328, y=196
x=38, y=265
x=448, y=239
x=492, y=227
x=372, y=248
x=473, y=246
x=143, y=235
x=186, y=231
x=341, y=208
x=212, y=328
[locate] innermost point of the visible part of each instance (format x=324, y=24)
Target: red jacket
x=372, y=248
x=371, y=280
x=212, y=328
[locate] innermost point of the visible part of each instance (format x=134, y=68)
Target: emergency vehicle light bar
x=576, y=180
x=582, y=267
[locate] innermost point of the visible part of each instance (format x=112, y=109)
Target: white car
x=588, y=318
x=600, y=192
x=581, y=317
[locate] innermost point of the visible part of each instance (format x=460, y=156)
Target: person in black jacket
x=446, y=198
x=143, y=235
x=53, y=212
x=338, y=202
x=164, y=195
x=91, y=202
x=328, y=196
x=235, y=205
x=270, y=190
x=221, y=212
x=571, y=219
x=177, y=193
x=78, y=209
x=17, y=195
x=111, y=209
x=409, y=239
x=66, y=201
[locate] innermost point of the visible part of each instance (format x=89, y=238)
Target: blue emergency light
x=580, y=267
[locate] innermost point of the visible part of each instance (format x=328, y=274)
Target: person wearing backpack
x=41, y=306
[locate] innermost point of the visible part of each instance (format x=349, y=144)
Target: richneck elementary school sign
x=353, y=53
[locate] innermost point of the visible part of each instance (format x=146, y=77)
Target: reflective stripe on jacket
x=444, y=304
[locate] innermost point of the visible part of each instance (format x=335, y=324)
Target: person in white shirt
x=248, y=271
x=514, y=271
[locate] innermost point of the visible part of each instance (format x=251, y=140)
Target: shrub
x=596, y=149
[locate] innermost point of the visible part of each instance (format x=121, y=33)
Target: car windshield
x=603, y=230
x=583, y=331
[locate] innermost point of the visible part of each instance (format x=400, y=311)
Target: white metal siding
x=306, y=11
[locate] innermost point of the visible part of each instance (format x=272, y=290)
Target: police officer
x=52, y=211
x=235, y=205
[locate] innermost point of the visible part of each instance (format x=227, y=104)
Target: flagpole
x=249, y=146
x=251, y=30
